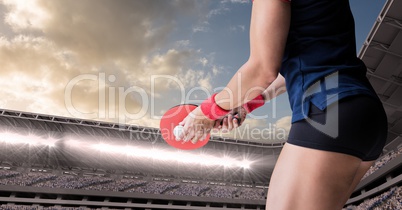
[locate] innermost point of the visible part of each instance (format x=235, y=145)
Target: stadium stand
x=24, y=207
x=8, y=174
x=155, y=187
x=252, y=194
x=221, y=192
x=389, y=200
x=20, y=186
x=117, y=185
x=45, y=180
x=189, y=190
x=28, y=179
x=383, y=161
x=74, y=182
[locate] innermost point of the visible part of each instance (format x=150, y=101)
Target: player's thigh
x=311, y=179
x=363, y=168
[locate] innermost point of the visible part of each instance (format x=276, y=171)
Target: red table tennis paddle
x=171, y=119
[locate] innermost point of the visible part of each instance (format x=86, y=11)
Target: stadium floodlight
x=73, y=143
x=50, y=142
x=179, y=156
x=245, y=164
x=30, y=139
x=12, y=138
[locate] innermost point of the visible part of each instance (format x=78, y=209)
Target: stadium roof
x=382, y=54
x=51, y=119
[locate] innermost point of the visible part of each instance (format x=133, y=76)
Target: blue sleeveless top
x=320, y=63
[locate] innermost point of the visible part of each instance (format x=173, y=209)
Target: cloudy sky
x=130, y=60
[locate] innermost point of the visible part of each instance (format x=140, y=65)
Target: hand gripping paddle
x=171, y=119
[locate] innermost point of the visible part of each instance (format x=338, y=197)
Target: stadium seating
x=189, y=190
x=66, y=181
x=8, y=174
x=155, y=187
x=22, y=207
x=383, y=161
x=252, y=194
x=389, y=200
x=221, y=192
x=117, y=185
x=15, y=178
x=73, y=182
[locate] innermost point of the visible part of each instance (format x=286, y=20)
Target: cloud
x=284, y=123
x=219, y=11
x=201, y=28
x=183, y=43
x=221, y=8
x=25, y=15
x=203, y=61
x=240, y=28
x=116, y=42
x=224, y=7
x=216, y=70
x=32, y=70
x=100, y=31
x=203, y=24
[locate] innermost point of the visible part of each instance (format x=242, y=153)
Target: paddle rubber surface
x=171, y=119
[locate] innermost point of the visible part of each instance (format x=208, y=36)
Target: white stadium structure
x=51, y=162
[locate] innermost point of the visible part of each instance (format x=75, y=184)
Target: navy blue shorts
x=356, y=125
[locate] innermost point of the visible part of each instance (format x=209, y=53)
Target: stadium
x=54, y=162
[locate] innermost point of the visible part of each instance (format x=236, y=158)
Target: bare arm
x=268, y=33
x=277, y=87
x=238, y=115
x=270, y=22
